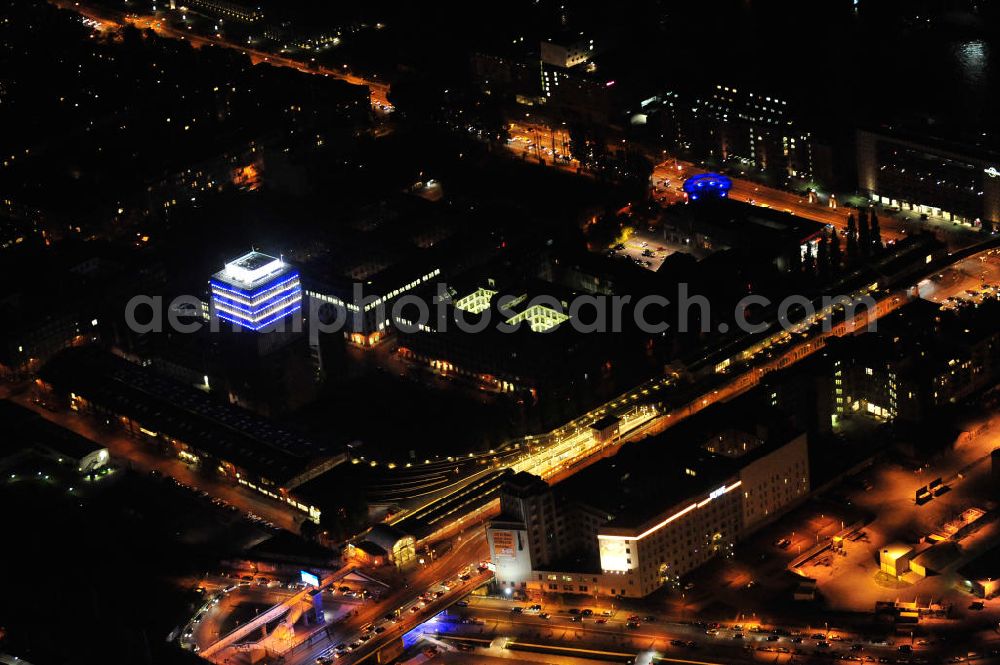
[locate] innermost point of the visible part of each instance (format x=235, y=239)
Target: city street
x=608, y=629
x=305, y=647
x=964, y=281
x=162, y=26
x=129, y=452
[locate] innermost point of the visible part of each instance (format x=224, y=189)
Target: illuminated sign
x=717, y=493
x=308, y=578
x=503, y=544
x=992, y=172
x=708, y=184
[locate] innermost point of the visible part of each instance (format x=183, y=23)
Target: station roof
x=184, y=413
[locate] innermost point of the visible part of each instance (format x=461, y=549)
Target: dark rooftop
x=986, y=566
x=646, y=477
x=753, y=224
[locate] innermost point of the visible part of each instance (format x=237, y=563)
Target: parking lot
x=645, y=249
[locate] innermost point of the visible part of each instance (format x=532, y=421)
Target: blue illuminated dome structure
x=256, y=291
x=707, y=185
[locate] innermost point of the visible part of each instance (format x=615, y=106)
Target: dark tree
x=795, y=262
x=876, y=234
x=864, y=233
x=809, y=262
x=823, y=256
x=836, y=256
x=852, y=240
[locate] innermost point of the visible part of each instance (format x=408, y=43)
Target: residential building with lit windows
x=740, y=127
x=560, y=74
x=921, y=359
x=941, y=179
x=648, y=515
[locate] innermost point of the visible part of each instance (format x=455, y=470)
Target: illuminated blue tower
x=707, y=185
x=256, y=291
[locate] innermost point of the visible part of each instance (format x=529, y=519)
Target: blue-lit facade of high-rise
x=256, y=291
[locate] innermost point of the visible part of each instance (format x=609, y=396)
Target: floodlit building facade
x=256, y=292
x=633, y=523
x=942, y=180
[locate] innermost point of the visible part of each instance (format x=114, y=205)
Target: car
x=818, y=636
x=574, y=610
x=737, y=636
x=601, y=621
x=587, y=612
x=772, y=638
x=517, y=610
x=823, y=645
x=462, y=603
x=414, y=609
x=904, y=648
x=438, y=594
x=857, y=647
x=632, y=625
x=691, y=644
x=535, y=608
x=462, y=646
x=543, y=615
x=340, y=647
x=576, y=618
x=366, y=637
x=378, y=630
x=649, y=618
x=977, y=605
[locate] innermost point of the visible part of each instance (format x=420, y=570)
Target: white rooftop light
x=252, y=266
